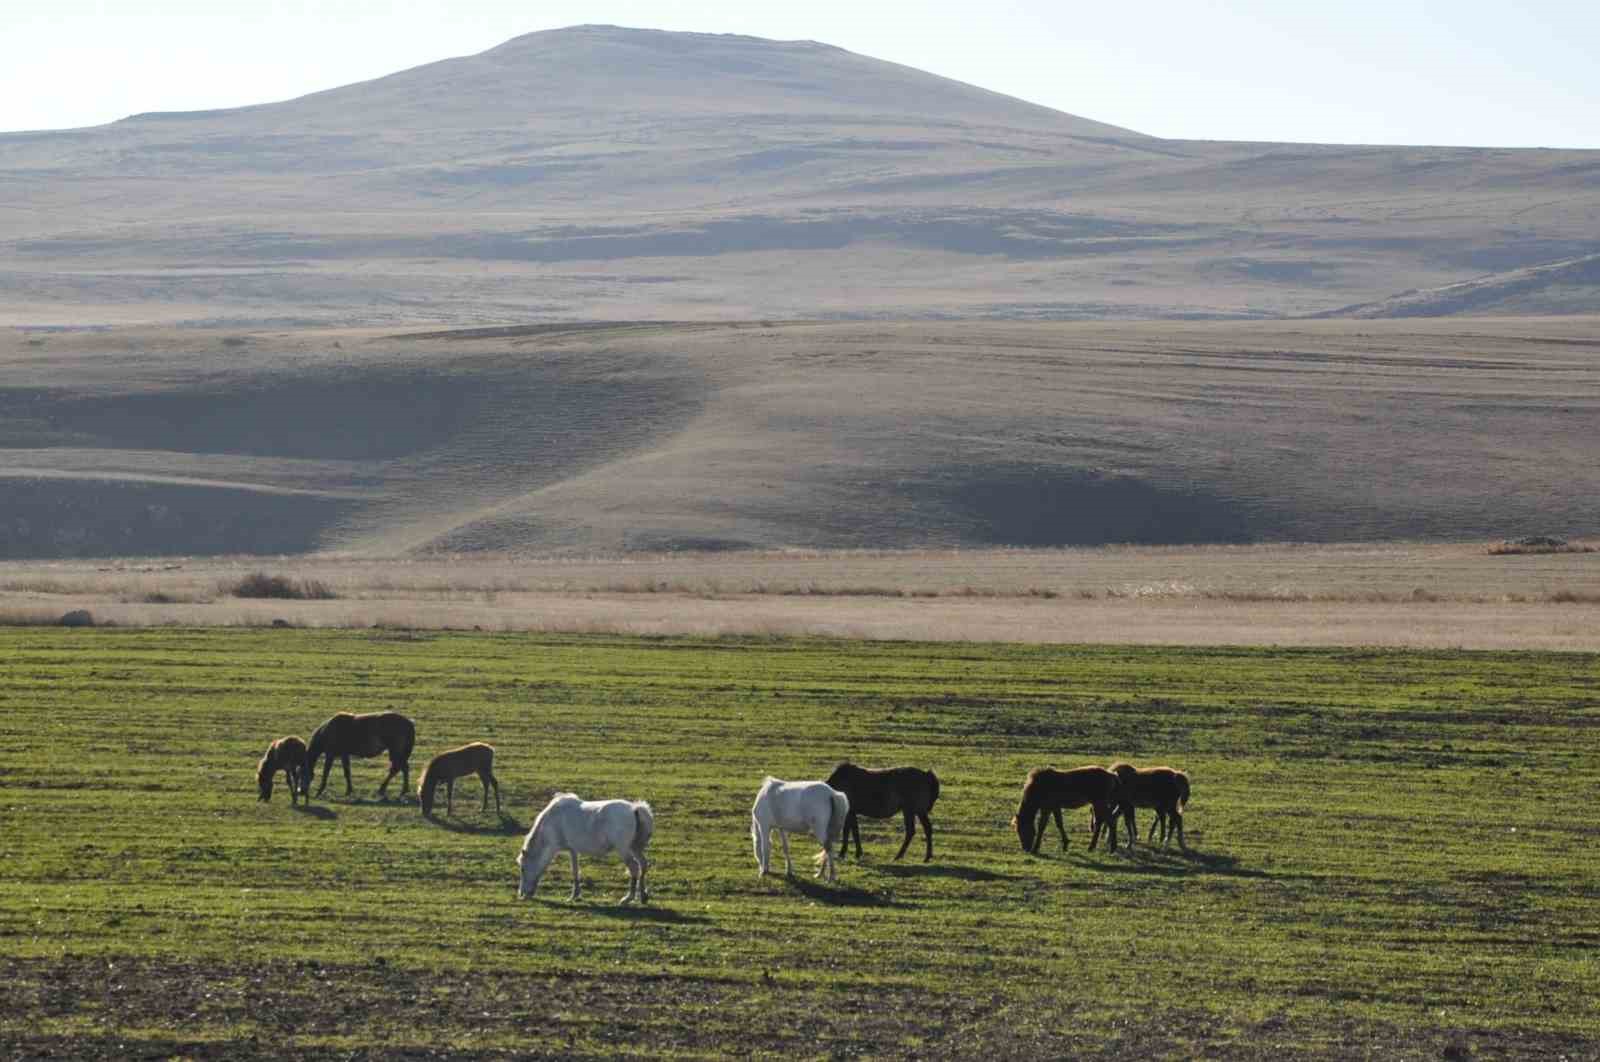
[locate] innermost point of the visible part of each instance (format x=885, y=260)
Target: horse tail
x=836, y=816
x=401, y=755
x=1183, y=790
x=644, y=825
x=933, y=788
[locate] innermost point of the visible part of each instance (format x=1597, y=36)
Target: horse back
x=376, y=732
x=1048, y=787
x=881, y=793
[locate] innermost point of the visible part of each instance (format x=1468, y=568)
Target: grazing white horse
x=593, y=827
x=808, y=807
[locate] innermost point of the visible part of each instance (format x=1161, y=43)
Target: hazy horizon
x=1414, y=73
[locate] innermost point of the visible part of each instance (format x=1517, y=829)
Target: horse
x=593, y=827
x=287, y=754
x=347, y=735
x=879, y=794
x=476, y=758
x=813, y=807
x=1162, y=789
x=1047, y=791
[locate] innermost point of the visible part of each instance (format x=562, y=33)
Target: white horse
x=593, y=827
x=810, y=807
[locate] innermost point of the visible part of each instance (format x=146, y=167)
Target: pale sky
x=1511, y=73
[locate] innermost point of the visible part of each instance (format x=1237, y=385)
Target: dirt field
x=1394, y=594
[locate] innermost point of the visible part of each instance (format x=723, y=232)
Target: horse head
x=264, y=772
x=1022, y=821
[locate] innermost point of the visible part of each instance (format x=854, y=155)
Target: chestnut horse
x=1047, y=791
x=1161, y=789
x=476, y=758
x=347, y=735
x=880, y=794
x=287, y=754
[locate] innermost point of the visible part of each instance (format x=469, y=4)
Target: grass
x=1385, y=856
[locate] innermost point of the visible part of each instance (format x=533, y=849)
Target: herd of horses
x=827, y=810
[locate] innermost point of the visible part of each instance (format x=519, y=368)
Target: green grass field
x=1391, y=853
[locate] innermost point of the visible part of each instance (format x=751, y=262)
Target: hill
x=1555, y=288
x=615, y=174
x=577, y=439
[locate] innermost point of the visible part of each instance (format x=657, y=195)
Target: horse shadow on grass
x=506, y=825
x=837, y=895
x=939, y=870
x=1185, y=863
x=374, y=801
x=646, y=913
x=316, y=811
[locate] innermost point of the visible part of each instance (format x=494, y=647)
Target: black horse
x=347, y=735
x=879, y=794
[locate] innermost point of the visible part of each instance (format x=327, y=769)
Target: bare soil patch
x=207, y=1009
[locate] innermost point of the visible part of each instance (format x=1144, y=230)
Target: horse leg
x=630, y=861
x=349, y=788
x=927, y=832
x=788, y=864
x=911, y=831
x=449, y=797
x=484, y=778
x=1177, y=817
x=844, y=841
x=383, y=790
x=1130, y=820
x=577, y=885
x=327, y=765
x=1059, y=826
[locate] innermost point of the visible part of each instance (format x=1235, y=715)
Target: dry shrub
x=262, y=585
x=1537, y=544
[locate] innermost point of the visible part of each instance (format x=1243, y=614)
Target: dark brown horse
x=1162, y=789
x=476, y=758
x=347, y=735
x=880, y=794
x=287, y=754
x=1047, y=791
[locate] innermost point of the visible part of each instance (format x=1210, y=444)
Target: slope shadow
x=505, y=825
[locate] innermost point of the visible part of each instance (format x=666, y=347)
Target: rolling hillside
x=578, y=439
x=614, y=174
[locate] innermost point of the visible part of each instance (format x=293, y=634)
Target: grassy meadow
x=1390, y=851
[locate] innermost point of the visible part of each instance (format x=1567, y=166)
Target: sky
x=1506, y=73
